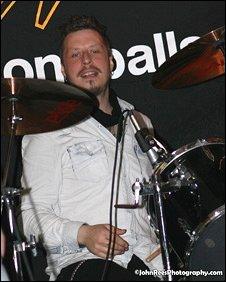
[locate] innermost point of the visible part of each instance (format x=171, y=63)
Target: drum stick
x=153, y=255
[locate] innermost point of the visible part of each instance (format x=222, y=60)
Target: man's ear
x=63, y=71
x=112, y=63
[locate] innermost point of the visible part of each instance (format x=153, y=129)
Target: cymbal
x=41, y=105
x=199, y=61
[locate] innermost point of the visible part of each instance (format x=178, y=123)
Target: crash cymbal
x=199, y=61
x=41, y=105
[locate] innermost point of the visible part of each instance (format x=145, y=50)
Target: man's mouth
x=89, y=74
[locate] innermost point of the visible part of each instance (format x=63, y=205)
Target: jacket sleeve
x=40, y=205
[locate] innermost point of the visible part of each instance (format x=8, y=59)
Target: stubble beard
x=97, y=90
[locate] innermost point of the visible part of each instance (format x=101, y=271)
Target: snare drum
x=194, y=204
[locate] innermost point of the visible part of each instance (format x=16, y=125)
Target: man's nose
x=86, y=58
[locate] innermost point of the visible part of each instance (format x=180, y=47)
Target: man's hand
x=96, y=239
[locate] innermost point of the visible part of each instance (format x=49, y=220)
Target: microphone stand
x=147, y=146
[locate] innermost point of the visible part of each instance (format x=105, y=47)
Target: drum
x=193, y=184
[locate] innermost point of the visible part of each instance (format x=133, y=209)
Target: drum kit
x=186, y=194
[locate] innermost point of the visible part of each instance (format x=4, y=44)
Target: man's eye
x=75, y=55
x=94, y=51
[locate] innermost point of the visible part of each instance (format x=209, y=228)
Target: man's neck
x=104, y=103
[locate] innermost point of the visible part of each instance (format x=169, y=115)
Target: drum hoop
x=186, y=148
x=212, y=217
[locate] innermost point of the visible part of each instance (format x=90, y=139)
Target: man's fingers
x=119, y=241
x=115, y=233
x=118, y=231
x=116, y=252
x=117, y=247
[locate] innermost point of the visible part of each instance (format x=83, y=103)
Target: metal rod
x=13, y=125
x=162, y=228
x=18, y=245
x=8, y=158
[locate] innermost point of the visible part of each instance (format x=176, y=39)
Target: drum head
x=200, y=169
x=203, y=155
x=207, y=252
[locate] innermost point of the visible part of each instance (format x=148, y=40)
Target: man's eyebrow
x=93, y=45
x=97, y=44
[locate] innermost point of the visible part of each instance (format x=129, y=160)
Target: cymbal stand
x=7, y=197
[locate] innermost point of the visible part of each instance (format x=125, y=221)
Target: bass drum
x=192, y=180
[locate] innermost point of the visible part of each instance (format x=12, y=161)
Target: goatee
x=93, y=89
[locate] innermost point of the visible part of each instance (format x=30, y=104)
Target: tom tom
x=193, y=183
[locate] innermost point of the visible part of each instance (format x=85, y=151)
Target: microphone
x=148, y=145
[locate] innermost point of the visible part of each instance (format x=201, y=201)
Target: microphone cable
x=120, y=133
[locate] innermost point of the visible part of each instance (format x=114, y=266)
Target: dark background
x=179, y=116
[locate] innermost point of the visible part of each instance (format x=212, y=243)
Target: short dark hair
x=75, y=23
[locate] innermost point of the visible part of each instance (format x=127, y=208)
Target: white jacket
x=69, y=172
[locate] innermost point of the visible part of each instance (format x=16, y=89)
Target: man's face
x=86, y=61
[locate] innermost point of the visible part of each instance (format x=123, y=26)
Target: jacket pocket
x=89, y=161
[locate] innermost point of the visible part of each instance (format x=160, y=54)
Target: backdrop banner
x=144, y=35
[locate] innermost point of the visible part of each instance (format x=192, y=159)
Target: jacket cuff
x=69, y=242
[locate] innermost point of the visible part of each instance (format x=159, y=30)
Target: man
x=70, y=174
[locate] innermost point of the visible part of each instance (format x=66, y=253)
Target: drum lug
x=184, y=225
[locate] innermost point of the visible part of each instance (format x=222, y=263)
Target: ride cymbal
x=199, y=61
x=41, y=105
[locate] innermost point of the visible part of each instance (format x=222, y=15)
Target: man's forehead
x=85, y=34
x=79, y=39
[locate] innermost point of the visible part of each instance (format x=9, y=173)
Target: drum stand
x=153, y=156
x=7, y=197
x=162, y=227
